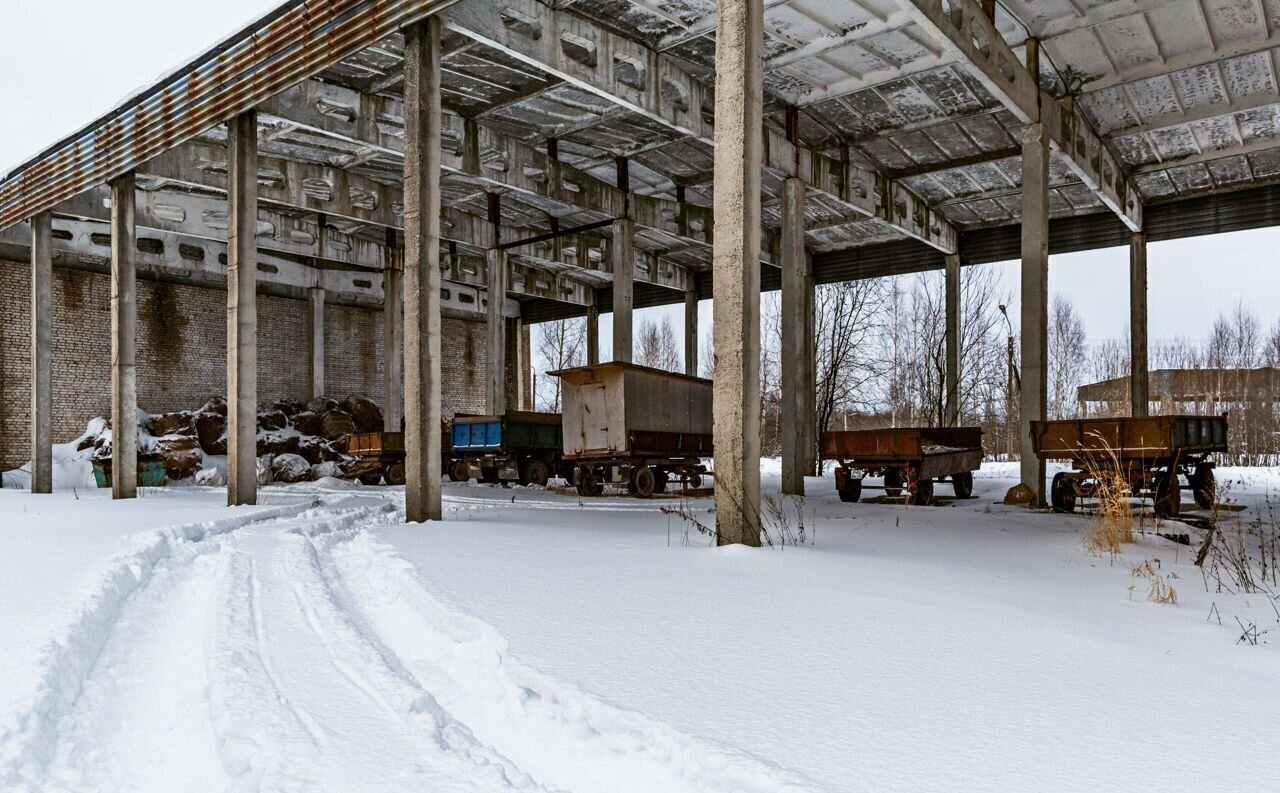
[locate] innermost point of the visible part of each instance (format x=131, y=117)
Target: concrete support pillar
x=315, y=302
x=952, y=390
x=736, y=269
x=124, y=339
x=691, y=331
x=1035, y=299
x=393, y=347
x=1138, y=378
x=42, y=353
x=422, y=129
x=797, y=393
x=496, y=333
x=242, y=310
x=624, y=274
x=517, y=372
x=593, y=331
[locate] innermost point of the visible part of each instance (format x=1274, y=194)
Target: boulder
x=325, y=469
x=215, y=405
x=181, y=455
x=290, y=468
x=322, y=405
x=210, y=477
x=364, y=412
x=277, y=443
x=179, y=423
x=314, y=450
x=211, y=429
x=289, y=407
x=272, y=420
x=307, y=423
x=336, y=425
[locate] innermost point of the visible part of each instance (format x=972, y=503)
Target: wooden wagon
x=1149, y=453
x=635, y=426
x=910, y=458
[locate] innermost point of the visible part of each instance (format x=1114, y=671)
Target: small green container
x=150, y=473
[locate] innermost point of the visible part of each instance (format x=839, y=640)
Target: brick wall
x=182, y=352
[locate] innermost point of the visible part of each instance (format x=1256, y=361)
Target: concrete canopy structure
x=896, y=129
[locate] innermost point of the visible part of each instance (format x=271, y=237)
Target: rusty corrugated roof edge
x=286, y=46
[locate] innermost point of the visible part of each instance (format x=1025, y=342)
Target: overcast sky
x=66, y=62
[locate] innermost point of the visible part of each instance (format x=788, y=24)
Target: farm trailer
x=1148, y=453
x=518, y=446
x=636, y=426
x=910, y=457
x=381, y=455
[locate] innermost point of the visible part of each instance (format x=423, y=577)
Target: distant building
x=1205, y=391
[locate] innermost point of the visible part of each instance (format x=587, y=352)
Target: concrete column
x=736, y=269
x=496, y=333
x=422, y=128
x=517, y=372
x=797, y=397
x=1138, y=378
x=1035, y=299
x=952, y=389
x=624, y=273
x=242, y=310
x=42, y=353
x=393, y=348
x=593, y=330
x=124, y=339
x=691, y=331
x=809, y=450
x=315, y=302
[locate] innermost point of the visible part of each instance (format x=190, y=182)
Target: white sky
x=66, y=62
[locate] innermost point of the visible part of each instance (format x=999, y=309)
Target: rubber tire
x=692, y=481
x=642, y=482
x=460, y=472
x=962, y=484
x=922, y=493
x=661, y=479
x=489, y=476
x=534, y=472
x=1062, y=496
x=851, y=492
x=587, y=484
x=395, y=474
x=1204, y=485
x=893, y=483
x=1168, y=495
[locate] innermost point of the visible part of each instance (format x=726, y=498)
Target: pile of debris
x=297, y=441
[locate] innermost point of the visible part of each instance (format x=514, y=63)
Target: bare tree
x=1067, y=356
x=656, y=345
x=558, y=345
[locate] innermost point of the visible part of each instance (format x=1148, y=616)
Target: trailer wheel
x=661, y=478
x=489, y=476
x=459, y=471
x=893, y=483
x=962, y=484
x=642, y=482
x=692, y=481
x=1168, y=496
x=534, y=472
x=587, y=483
x=1204, y=485
x=395, y=474
x=922, y=493
x=1062, y=495
x=850, y=491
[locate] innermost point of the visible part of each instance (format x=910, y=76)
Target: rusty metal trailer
x=1149, y=453
x=910, y=458
x=378, y=455
x=517, y=446
x=632, y=425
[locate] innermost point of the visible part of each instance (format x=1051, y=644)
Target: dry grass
x=1113, y=526
x=1159, y=590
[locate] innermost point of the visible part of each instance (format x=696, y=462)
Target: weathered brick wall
x=182, y=352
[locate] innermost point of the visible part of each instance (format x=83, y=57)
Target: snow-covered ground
x=536, y=642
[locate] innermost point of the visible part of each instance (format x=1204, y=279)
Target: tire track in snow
x=29, y=734
x=562, y=736
x=317, y=707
